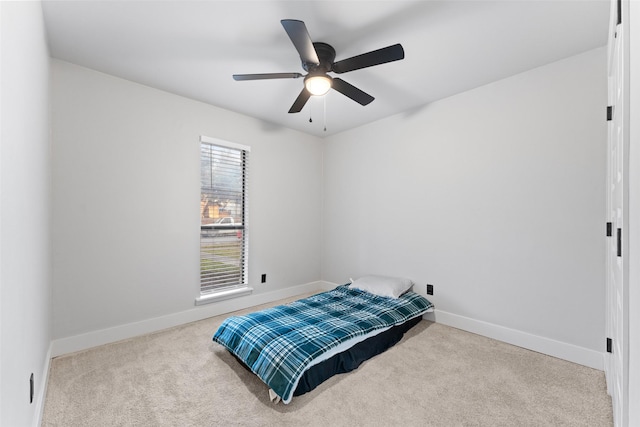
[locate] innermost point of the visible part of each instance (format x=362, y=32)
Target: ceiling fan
x=317, y=59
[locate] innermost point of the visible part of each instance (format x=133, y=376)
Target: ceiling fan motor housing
x=326, y=54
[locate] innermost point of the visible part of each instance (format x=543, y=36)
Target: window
x=223, y=219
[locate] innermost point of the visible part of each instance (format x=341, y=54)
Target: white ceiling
x=192, y=48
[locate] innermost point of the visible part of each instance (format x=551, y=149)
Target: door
x=616, y=361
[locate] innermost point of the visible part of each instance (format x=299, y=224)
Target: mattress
x=281, y=343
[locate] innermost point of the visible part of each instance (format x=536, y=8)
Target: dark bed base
x=351, y=358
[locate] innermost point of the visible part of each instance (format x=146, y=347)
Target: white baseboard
x=117, y=333
x=561, y=350
x=41, y=394
x=550, y=347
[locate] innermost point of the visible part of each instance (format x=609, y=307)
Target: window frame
x=243, y=288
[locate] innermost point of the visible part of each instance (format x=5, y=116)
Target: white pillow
x=383, y=286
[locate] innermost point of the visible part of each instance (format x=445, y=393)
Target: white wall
x=126, y=203
x=25, y=251
x=495, y=196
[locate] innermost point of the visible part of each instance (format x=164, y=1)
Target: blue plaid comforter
x=279, y=343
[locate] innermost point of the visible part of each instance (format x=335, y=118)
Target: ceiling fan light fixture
x=318, y=84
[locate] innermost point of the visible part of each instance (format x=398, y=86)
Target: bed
x=295, y=347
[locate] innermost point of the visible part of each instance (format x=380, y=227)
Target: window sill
x=223, y=295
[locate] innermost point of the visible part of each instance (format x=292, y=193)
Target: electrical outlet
x=429, y=289
x=31, y=388
x=263, y=279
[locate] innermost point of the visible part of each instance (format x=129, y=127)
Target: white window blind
x=223, y=219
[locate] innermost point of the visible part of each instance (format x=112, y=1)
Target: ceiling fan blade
x=300, y=101
x=240, y=77
x=299, y=35
x=351, y=91
x=369, y=59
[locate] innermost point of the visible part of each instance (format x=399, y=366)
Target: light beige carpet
x=435, y=376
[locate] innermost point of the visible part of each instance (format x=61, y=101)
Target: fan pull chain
x=325, y=113
x=324, y=106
